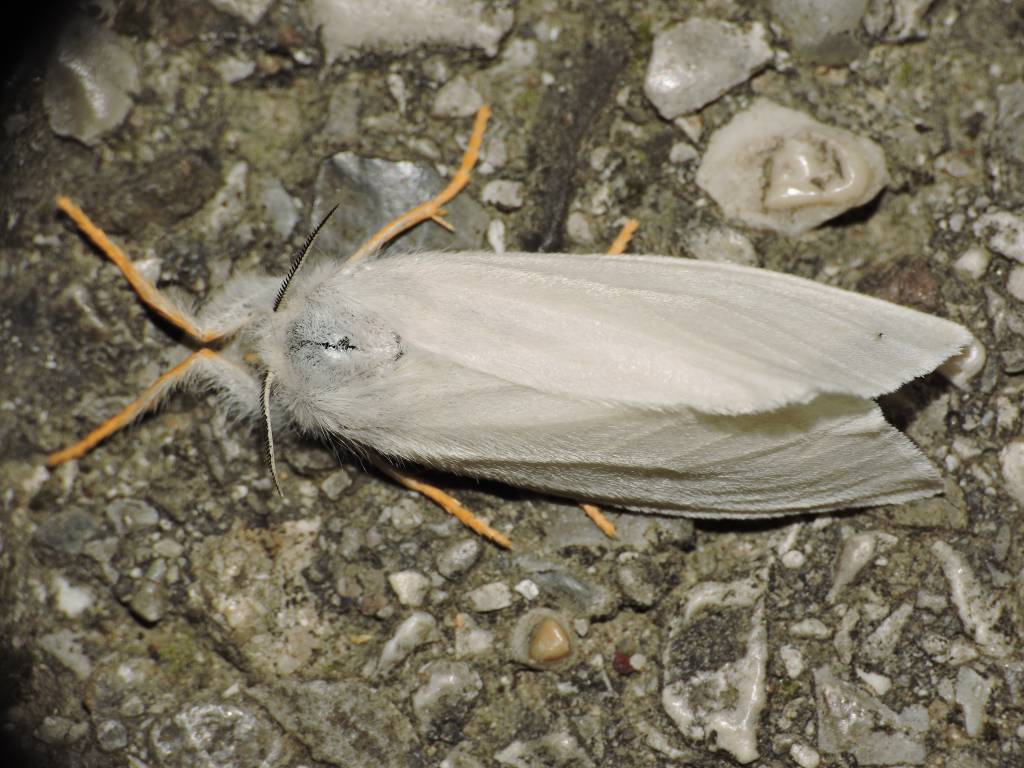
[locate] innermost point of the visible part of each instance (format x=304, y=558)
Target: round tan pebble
x=549, y=642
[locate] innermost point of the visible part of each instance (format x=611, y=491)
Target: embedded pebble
x=234, y=69
x=792, y=660
x=335, y=484
x=541, y=639
x=281, y=209
x=779, y=169
x=961, y=369
x=721, y=244
x=1010, y=117
x=66, y=647
x=695, y=62
x=250, y=11
x=527, y=589
x=805, y=756
x=816, y=25
x=1011, y=460
x=444, y=699
x=348, y=26
x=149, y=602
x=490, y=597
x=858, y=550
x=129, y=515
x=89, y=82
x=410, y=587
x=1015, y=283
x=1004, y=233
x=972, y=694
x=71, y=600
x=878, y=683
x=458, y=558
x=851, y=720
x=815, y=628
x=67, y=531
x=503, y=195
x=638, y=584
x=470, y=639
x=883, y=641
x=724, y=695
x=111, y=735
x=978, y=612
x=457, y=98
x=417, y=630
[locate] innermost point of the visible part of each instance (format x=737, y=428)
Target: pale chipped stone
x=851, y=720
x=348, y=26
x=503, y=195
x=814, y=628
x=978, y=611
x=793, y=660
x=972, y=694
x=695, y=62
x=457, y=98
x=727, y=701
x=805, y=756
x=250, y=11
x=721, y=244
x=881, y=643
x=876, y=681
x=1004, y=233
x=779, y=169
x=89, y=83
x=490, y=597
x=858, y=550
x=417, y=630
x=410, y=587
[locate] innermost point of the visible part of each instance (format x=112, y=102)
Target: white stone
x=972, y=693
x=979, y=612
x=417, y=630
x=961, y=369
x=973, y=262
x=89, y=83
x=457, y=98
x=721, y=244
x=815, y=628
x=858, y=550
x=348, y=26
x=490, y=597
x=883, y=641
x=496, y=236
x=805, y=756
x=695, y=62
x=528, y=589
x=792, y=660
x=877, y=682
x=813, y=22
x=247, y=10
x=503, y=195
x=734, y=710
x=1015, y=282
x=471, y=640
x=1004, y=233
x=71, y=600
x=682, y=153
x=1011, y=459
x=234, y=69
x=779, y=169
x=410, y=587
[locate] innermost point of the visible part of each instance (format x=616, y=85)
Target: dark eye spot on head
x=344, y=344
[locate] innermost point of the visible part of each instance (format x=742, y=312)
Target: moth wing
x=831, y=453
x=652, y=331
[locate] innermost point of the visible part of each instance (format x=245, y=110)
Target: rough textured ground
x=161, y=606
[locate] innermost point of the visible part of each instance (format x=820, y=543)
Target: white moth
x=643, y=382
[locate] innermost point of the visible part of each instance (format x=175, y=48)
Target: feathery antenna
x=300, y=257
x=265, y=407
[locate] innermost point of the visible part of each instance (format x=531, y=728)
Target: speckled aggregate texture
x=162, y=606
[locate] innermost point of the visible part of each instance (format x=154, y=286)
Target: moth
x=647, y=383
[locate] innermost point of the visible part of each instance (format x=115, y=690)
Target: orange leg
x=148, y=399
x=145, y=290
x=447, y=503
x=432, y=209
x=624, y=236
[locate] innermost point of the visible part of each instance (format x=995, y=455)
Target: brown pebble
x=549, y=641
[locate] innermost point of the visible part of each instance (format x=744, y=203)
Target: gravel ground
x=161, y=606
